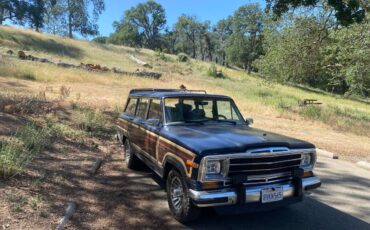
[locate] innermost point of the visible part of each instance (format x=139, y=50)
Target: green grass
x=18, y=151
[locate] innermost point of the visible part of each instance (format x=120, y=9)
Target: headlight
x=308, y=160
x=213, y=169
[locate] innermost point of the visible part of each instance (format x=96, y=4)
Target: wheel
x=132, y=161
x=181, y=206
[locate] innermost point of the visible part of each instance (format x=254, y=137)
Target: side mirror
x=249, y=121
x=153, y=122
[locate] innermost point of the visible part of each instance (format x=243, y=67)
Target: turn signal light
x=191, y=164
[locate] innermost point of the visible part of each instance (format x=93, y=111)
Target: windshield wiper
x=195, y=121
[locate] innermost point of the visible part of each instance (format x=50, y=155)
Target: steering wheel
x=221, y=116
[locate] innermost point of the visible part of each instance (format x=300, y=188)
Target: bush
x=182, y=57
x=91, y=120
x=61, y=130
x=13, y=157
x=34, y=138
x=161, y=56
x=27, y=76
x=213, y=72
x=313, y=112
x=100, y=40
x=17, y=152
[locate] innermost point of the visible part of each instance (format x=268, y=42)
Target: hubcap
x=177, y=193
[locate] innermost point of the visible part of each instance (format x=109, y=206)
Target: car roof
x=163, y=93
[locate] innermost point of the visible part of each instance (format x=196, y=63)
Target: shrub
x=18, y=151
x=91, y=120
x=182, y=57
x=313, y=112
x=13, y=157
x=161, y=56
x=64, y=92
x=34, y=138
x=27, y=76
x=61, y=130
x=100, y=40
x=213, y=72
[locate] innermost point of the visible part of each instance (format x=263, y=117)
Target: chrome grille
x=265, y=165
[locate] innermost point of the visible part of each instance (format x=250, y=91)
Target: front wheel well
x=167, y=168
x=172, y=164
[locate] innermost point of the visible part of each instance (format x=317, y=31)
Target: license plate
x=272, y=194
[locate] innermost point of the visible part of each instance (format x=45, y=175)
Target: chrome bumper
x=252, y=194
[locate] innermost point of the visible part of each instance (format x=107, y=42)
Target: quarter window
x=131, y=107
x=155, y=110
x=142, y=108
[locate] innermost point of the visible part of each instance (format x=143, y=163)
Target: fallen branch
x=96, y=166
x=140, y=62
x=70, y=210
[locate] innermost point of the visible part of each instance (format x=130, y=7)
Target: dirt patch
x=115, y=198
x=10, y=123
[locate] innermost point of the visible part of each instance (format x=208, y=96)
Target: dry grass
x=275, y=106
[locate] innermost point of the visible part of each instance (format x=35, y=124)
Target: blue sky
x=212, y=10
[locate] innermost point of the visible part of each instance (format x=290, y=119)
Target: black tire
x=132, y=161
x=179, y=201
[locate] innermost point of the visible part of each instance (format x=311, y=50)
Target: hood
x=219, y=138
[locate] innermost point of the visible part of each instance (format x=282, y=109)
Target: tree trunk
x=70, y=29
x=252, y=43
x=249, y=66
x=1, y=16
x=194, y=45
x=70, y=34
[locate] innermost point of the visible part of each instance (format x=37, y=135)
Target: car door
x=138, y=130
x=153, y=125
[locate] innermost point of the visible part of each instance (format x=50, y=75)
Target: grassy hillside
x=339, y=124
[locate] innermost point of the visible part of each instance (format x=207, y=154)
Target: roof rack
x=166, y=90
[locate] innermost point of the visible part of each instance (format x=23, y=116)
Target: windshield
x=200, y=110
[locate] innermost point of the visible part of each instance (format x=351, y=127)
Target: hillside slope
x=340, y=125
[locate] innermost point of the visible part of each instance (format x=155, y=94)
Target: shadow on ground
x=119, y=198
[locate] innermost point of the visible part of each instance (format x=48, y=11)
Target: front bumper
x=229, y=196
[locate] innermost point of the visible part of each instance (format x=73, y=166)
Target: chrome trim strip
x=208, y=196
x=267, y=163
x=252, y=194
x=269, y=176
x=257, y=170
x=268, y=182
x=310, y=181
x=268, y=150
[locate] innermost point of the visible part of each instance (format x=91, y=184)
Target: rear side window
x=131, y=107
x=155, y=110
x=142, y=108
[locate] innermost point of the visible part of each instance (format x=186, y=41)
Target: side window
x=155, y=110
x=142, y=108
x=131, y=107
x=226, y=110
